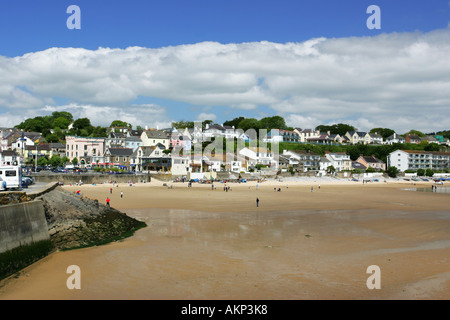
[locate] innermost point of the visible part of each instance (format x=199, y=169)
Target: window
x=10, y=173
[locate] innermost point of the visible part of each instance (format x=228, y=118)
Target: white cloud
x=397, y=79
x=206, y=116
x=138, y=115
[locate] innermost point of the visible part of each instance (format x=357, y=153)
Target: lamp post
x=35, y=166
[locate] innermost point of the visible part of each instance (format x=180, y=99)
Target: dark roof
x=44, y=146
x=133, y=138
x=57, y=145
x=123, y=152
x=216, y=127
x=156, y=134
x=357, y=165
x=371, y=159
x=9, y=153
x=359, y=133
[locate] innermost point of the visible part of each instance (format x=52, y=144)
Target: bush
x=420, y=172
x=429, y=173
x=392, y=172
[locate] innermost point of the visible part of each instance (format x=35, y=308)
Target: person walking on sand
x=107, y=202
x=121, y=194
x=257, y=202
x=110, y=190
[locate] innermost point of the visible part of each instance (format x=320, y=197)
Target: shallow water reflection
x=438, y=189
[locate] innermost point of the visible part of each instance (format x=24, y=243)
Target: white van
x=10, y=177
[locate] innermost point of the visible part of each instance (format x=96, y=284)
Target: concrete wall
x=68, y=178
x=22, y=223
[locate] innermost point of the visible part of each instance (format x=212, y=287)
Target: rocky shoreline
x=75, y=221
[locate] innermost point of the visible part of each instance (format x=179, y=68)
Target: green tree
x=429, y=173
x=75, y=161
x=431, y=147
x=340, y=128
x=249, y=123
x=370, y=169
x=55, y=161
x=234, y=122
x=64, y=160
x=120, y=124
x=384, y=132
x=416, y=132
x=53, y=137
x=183, y=124
x=100, y=132
x=59, y=133
x=42, y=161
x=33, y=124
x=62, y=114
x=61, y=122
x=392, y=172
x=420, y=172
x=206, y=122
x=275, y=122
x=82, y=123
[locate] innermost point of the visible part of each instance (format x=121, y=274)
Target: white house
x=259, y=155
x=305, y=134
x=21, y=144
x=339, y=160
x=154, y=137
x=144, y=155
x=180, y=165
x=355, y=137
x=324, y=164
x=415, y=159
x=409, y=159
x=306, y=159
x=9, y=158
x=133, y=142
x=395, y=138
x=374, y=138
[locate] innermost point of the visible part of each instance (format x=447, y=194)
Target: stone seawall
x=36, y=223
x=89, y=178
x=22, y=224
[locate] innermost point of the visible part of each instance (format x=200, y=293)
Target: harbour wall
x=22, y=224
x=68, y=178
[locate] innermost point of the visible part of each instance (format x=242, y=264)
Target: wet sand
x=211, y=244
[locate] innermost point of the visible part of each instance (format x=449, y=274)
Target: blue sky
x=27, y=26
x=35, y=26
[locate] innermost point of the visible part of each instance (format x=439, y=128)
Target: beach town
x=307, y=228
x=225, y=155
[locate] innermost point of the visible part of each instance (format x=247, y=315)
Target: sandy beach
x=313, y=239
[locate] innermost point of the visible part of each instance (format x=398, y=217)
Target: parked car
x=59, y=169
x=29, y=180
x=25, y=183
